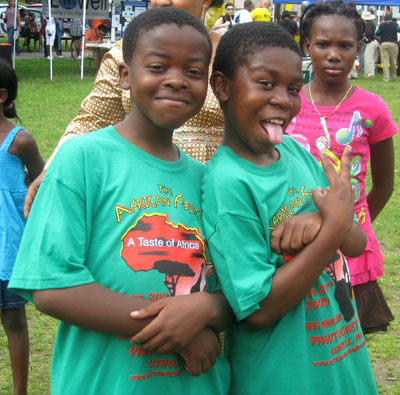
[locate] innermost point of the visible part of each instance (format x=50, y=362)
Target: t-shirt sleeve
x=384, y=126
x=239, y=247
x=53, y=248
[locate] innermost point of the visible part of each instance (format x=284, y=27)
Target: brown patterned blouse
x=108, y=104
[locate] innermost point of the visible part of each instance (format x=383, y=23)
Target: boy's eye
x=156, y=67
x=346, y=45
x=295, y=90
x=266, y=83
x=322, y=44
x=193, y=72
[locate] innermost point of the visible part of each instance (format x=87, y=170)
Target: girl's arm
x=219, y=23
x=27, y=149
x=382, y=174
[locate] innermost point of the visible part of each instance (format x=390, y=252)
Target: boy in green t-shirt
x=297, y=329
x=117, y=225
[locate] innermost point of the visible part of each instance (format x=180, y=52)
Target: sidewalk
x=40, y=55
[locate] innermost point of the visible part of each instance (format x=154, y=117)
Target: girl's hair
x=336, y=7
x=9, y=82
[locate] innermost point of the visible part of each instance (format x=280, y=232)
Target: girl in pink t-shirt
x=335, y=114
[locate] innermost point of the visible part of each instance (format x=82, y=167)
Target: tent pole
x=15, y=30
x=51, y=46
x=83, y=37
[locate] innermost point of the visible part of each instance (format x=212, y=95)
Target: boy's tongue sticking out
x=273, y=130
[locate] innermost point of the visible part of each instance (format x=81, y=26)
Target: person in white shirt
x=244, y=15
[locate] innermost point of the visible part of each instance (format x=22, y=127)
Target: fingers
x=148, y=311
x=276, y=236
x=345, y=163
x=145, y=336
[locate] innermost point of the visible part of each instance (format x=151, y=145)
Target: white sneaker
x=48, y=57
x=79, y=57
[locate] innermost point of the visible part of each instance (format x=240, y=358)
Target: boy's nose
x=176, y=80
x=281, y=98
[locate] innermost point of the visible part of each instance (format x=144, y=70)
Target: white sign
x=95, y=9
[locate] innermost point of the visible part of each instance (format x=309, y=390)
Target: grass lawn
x=46, y=108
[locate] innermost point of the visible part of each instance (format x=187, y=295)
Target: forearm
x=377, y=199
x=222, y=316
x=292, y=281
x=382, y=174
x=93, y=307
x=355, y=243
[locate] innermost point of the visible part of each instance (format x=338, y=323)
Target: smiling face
x=259, y=101
x=333, y=47
x=168, y=86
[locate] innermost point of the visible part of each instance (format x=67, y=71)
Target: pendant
x=322, y=143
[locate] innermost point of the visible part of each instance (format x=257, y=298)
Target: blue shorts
x=8, y=299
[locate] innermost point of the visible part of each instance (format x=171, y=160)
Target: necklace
x=324, y=142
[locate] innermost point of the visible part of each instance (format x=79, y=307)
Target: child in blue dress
x=17, y=150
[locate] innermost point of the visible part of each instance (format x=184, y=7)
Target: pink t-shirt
x=361, y=120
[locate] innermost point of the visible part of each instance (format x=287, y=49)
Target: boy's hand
x=201, y=353
x=179, y=320
x=294, y=233
x=336, y=203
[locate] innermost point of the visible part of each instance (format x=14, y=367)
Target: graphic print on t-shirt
x=155, y=243
x=331, y=322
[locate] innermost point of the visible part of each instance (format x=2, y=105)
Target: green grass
x=46, y=107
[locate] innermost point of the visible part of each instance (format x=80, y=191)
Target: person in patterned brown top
x=107, y=104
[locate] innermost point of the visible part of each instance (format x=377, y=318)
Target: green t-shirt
x=111, y=213
x=317, y=347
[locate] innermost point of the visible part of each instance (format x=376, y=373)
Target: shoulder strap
x=10, y=138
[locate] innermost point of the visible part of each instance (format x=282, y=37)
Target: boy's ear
x=124, y=79
x=220, y=86
x=306, y=46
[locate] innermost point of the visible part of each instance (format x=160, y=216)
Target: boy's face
x=259, y=102
x=168, y=75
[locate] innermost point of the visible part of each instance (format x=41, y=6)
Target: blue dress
x=12, y=195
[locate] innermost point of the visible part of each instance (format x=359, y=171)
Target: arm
x=176, y=322
x=28, y=151
x=93, y=307
x=294, y=233
x=292, y=281
x=382, y=174
x=219, y=23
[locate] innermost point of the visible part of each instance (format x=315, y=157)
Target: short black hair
x=228, y=5
x=248, y=3
x=154, y=18
x=9, y=82
x=336, y=7
x=102, y=27
x=216, y=3
x=245, y=39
